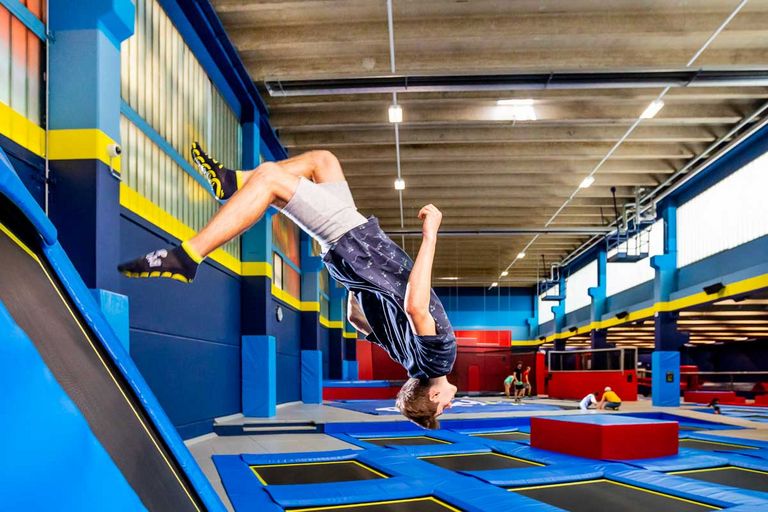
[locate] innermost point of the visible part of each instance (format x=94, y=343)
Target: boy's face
x=442, y=394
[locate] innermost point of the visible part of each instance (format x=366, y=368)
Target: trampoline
x=479, y=461
x=505, y=436
x=427, y=504
x=314, y=472
x=733, y=476
x=403, y=441
x=712, y=446
x=602, y=494
x=689, y=428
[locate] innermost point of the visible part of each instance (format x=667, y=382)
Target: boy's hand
x=432, y=218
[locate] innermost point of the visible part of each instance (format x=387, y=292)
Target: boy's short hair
x=414, y=403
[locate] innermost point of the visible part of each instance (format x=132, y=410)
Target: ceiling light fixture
x=505, y=273
x=520, y=255
x=399, y=184
x=494, y=284
x=587, y=182
x=652, y=109
x=514, y=110
x=395, y=113
x=449, y=278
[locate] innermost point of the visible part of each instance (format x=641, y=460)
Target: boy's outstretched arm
x=419, y=290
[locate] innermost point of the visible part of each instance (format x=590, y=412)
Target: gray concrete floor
x=205, y=447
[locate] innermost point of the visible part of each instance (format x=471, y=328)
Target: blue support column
x=84, y=119
x=559, y=312
x=251, y=144
x=256, y=283
x=336, y=349
x=259, y=354
x=599, y=337
x=668, y=340
x=311, y=266
x=311, y=376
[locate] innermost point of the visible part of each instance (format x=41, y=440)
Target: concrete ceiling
x=456, y=152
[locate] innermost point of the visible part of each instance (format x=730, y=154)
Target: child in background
x=589, y=400
x=527, y=381
x=508, y=384
x=715, y=405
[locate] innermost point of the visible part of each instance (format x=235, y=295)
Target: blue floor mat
x=759, y=414
x=460, y=406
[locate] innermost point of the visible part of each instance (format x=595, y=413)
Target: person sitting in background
x=508, y=384
x=588, y=401
x=527, y=381
x=610, y=400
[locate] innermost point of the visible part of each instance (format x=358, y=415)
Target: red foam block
x=366, y=393
x=702, y=397
x=612, y=442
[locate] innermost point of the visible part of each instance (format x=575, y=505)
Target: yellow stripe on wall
x=81, y=144
x=735, y=288
x=21, y=130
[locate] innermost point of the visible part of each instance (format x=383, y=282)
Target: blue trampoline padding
x=472, y=495
x=362, y=383
x=744, y=461
x=76, y=473
x=524, y=477
x=442, y=435
x=343, y=493
x=431, y=450
x=312, y=376
x=243, y=488
x=524, y=451
x=732, y=440
x=606, y=419
x=688, y=488
x=492, y=430
x=681, y=462
x=290, y=458
x=683, y=420
x=259, y=376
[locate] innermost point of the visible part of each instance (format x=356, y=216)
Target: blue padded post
x=115, y=308
x=351, y=370
x=665, y=379
x=312, y=376
x=259, y=376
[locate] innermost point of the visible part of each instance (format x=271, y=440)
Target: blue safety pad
x=259, y=376
x=243, y=488
x=744, y=461
x=81, y=297
x=524, y=451
x=115, y=308
x=725, y=439
x=75, y=471
x=442, y=435
x=344, y=493
x=544, y=475
x=665, y=391
x=493, y=430
x=681, y=462
x=460, y=406
x=473, y=495
x=431, y=450
x=607, y=419
x=312, y=376
x=362, y=383
x=682, y=420
x=688, y=488
x=292, y=458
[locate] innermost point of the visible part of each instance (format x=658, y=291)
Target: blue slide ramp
x=80, y=428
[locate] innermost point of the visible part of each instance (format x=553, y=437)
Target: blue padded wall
x=185, y=339
x=480, y=308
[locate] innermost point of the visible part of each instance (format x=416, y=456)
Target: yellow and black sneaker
x=224, y=182
x=179, y=263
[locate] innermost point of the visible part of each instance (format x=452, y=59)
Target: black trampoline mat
x=505, y=436
x=478, y=462
x=689, y=428
x=315, y=472
x=39, y=304
x=712, y=446
x=428, y=504
x=606, y=495
x=403, y=441
x=732, y=476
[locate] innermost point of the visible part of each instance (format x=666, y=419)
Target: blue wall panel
x=324, y=347
x=723, y=263
x=579, y=317
x=631, y=298
x=194, y=380
x=29, y=167
x=480, y=308
x=185, y=339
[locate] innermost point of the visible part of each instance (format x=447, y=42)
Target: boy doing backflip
x=391, y=300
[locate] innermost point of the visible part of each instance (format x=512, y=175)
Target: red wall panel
x=577, y=385
x=364, y=360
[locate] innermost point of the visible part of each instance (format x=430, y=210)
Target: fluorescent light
x=399, y=184
x=652, y=109
x=395, y=113
x=587, y=182
x=520, y=255
x=494, y=284
x=505, y=273
x=449, y=278
x=514, y=110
